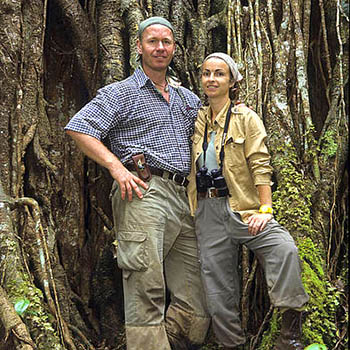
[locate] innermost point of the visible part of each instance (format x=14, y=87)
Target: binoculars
x=206, y=179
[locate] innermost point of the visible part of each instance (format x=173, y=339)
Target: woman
x=230, y=194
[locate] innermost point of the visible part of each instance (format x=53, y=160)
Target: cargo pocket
x=132, y=254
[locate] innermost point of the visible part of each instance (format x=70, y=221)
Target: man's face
x=157, y=47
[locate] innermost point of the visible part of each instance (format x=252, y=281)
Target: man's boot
x=290, y=336
x=181, y=343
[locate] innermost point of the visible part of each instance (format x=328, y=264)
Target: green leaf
x=316, y=347
x=21, y=306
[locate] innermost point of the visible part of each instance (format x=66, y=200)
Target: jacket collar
x=220, y=118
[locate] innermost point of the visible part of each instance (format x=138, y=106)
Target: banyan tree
x=60, y=287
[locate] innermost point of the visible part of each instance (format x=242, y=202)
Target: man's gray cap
x=154, y=20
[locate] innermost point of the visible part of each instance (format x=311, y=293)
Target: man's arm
x=98, y=152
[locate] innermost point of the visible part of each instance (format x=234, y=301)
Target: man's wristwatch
x=265, y=209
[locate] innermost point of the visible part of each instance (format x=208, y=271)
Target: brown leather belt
x=211, y=193
x=180, y=180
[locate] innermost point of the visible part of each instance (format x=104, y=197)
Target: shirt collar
x=220, y=118
x=140, y=77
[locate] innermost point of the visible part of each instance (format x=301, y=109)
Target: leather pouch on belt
x=141, y=167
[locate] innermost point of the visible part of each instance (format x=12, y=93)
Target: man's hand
x=257, y=223
x=127, y=181
x=97, y=151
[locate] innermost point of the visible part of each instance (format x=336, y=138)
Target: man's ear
x=139, y=47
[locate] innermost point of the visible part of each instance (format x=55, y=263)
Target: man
x=148, y=123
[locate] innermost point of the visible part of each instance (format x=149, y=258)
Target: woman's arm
x=257, y=222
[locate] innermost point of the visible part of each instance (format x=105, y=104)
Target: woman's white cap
x=229, y=61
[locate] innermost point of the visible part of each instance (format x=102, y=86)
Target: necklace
x=164, y=87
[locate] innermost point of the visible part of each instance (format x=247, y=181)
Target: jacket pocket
x=234, y=150
x=132, y=252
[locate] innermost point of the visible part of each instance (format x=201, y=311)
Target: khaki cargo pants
x=157, y=248
x=220, y=231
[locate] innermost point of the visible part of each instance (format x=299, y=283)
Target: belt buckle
x=212, y=193
x=181, y=183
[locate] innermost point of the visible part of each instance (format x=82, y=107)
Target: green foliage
x=270, y=335
x=316, y=347
x=320, y=325
x=329, y=145
x=38, y=320
x=21, y=306
x=292, y=199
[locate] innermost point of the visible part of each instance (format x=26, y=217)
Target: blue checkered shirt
x=133, y=117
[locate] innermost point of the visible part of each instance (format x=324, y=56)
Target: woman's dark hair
x=234, y=92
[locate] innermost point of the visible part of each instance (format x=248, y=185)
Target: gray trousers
x=220, y=231
x=157, y=248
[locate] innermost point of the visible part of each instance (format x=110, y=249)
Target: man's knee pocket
x=132, y=252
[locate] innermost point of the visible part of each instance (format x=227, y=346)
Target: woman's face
x=216, y=78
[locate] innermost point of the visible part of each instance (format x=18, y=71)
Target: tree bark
x=56, y=232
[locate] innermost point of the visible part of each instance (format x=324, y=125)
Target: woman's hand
x=257, y=223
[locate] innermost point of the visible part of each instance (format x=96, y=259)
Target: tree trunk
x=56, y=229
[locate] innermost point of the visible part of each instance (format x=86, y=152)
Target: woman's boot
x=290, y=336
